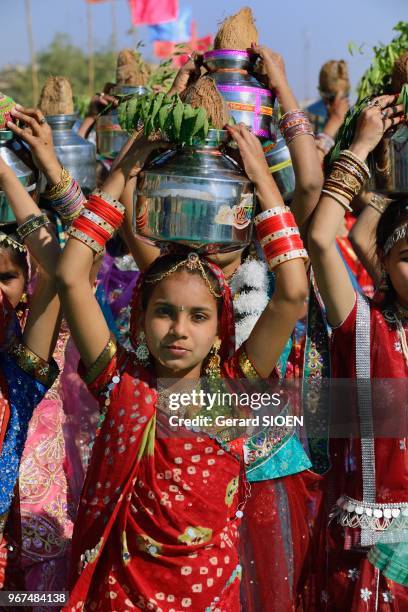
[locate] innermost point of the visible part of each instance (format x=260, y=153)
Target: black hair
x=395, y=215
x=18, y=258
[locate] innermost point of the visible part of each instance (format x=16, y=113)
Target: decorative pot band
x=240, y=106
x=220, y=53
x=287, y=163
x=245, y=89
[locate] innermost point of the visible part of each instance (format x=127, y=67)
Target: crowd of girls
x=216, y=519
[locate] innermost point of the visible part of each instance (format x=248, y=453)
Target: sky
x=306, y=32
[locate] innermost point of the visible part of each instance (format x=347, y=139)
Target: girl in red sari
x=158, y=521
x=369, y=340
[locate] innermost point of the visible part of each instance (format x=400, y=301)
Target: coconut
x=56, y=97
x=400, y=73
x=131, y=70
x=204, y=93
x=333, y=78
x=237, y=32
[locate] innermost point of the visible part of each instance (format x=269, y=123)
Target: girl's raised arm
x=345, y=181
x=303, y=151
x=283, y=248
x=42, y=325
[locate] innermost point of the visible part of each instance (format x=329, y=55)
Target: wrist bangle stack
x=66, y=198
x=379, y=202
x=97, y=223
x=324, y=143
x=33, y=223
x=347, y=177
x=295, y=123
x=279, y=236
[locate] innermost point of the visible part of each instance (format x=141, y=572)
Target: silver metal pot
x=389, y=163
x=280, y=166
x=196, y=196
x=110, y=137
x=248, y=100
x=24, y=174
x=76, y=154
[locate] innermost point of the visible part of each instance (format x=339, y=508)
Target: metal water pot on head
x=75, y=153
x=197, y=196
x=110, y=137
x=25, y=175
x=280, y=166
x=388, y=163
x=248, y=100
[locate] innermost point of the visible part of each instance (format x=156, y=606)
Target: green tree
x=60, y=58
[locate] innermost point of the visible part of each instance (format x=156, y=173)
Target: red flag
x=166, y=49
x=152, y=12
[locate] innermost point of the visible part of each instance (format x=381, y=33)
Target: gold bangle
x=43, y=371
x=54, y=193
x=100, y=363
x=335, y=197
x=33, y=223
x=354, y=158
x=339, y=188
x=108, y=198
x=246, y=365
x=379, y=202
x=89, y=242
x=89, y=214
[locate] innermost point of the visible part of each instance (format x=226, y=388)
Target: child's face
x=397, y=267
x=12, y=280
x=181, y=324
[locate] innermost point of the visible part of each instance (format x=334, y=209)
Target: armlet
x=45, y=372
x=100, y=363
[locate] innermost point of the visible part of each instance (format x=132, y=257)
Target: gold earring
x=142, y=350
x=212, y=369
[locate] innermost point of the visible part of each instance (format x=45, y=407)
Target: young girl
x=158, y=521
x=368, y=341
x=26, y=365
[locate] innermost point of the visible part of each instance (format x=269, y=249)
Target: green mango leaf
x=163, y=113
x=178, y=113
x=156, y=106
x=200, y=121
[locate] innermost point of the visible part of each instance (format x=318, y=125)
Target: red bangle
x=104, y=204
x=105, y=215
x=281, y=245
x=92, y=230
x=103, y=208
x=274, y=224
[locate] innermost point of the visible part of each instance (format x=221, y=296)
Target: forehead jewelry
x=397, y=235
x=192, y=262
x=181, y=308
x=12, y=241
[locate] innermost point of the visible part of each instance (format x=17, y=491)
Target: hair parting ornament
x=11, y=241
x=192, y=262
x=398, y=234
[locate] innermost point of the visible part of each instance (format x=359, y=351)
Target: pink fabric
x=152, y=12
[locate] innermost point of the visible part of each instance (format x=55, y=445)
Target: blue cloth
x=290, y=458
x=176, y=31
x=24, y=393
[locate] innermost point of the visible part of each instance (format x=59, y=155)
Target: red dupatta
x=8, y=323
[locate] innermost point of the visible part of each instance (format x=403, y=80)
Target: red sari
x=366, y=472
x=158, y=521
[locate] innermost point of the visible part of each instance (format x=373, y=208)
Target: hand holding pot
x=251, y=152
x=38, y=135
x=273, y=66
x=380, y=115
